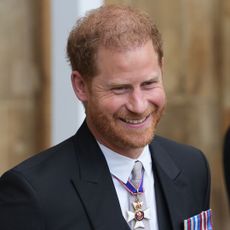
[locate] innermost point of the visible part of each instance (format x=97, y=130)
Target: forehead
x=137, y=64
x=126, y=60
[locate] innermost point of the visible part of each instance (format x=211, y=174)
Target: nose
x=137, y=102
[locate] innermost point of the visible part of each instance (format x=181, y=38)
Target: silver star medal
x=138, y=215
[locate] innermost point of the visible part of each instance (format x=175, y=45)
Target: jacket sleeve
x=19, y=207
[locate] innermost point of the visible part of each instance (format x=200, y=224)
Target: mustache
x=129, y=115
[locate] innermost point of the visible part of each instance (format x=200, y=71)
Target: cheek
x=111, y=105
x=159, y=97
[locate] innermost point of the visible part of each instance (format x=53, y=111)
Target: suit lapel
x=94, y=184
x=174, y=186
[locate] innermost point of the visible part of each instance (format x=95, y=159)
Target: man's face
x=124, y=102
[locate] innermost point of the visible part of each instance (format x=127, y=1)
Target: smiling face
x=125, y=101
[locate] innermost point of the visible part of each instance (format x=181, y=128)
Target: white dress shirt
x=121, y=167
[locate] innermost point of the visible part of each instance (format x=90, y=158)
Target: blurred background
x=38, y=108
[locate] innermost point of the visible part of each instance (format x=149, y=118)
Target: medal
x=138, y=215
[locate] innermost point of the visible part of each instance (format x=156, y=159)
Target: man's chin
x=137, y=141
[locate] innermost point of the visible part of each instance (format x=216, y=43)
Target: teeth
x=135, y=121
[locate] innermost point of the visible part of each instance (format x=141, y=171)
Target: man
x=115, y=173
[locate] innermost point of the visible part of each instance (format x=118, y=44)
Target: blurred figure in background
x=226, y=157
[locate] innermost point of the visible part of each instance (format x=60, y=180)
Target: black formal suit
x=69, y=187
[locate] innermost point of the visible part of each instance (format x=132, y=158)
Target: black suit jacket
x=69, y=187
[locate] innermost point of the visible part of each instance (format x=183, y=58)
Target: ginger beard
x=112, y=130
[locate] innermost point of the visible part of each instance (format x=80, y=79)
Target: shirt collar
x=121, y=166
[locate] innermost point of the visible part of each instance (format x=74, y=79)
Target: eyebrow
x=117, y=85
x=154, y=78
x=125, y=84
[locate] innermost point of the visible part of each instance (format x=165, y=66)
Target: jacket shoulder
x=55, y=161
x=189, y=159
x=178, y=150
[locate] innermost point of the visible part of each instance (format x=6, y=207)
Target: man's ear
x=79, y=86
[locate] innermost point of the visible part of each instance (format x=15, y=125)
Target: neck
x=132, y=153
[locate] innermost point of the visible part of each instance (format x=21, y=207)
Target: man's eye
x=149, y=85
x=120, y=90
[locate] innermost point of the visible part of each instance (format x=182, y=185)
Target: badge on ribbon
x=202, y=221
x=138, y=214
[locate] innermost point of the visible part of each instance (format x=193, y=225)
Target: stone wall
x=21, y=80
x=224, y=61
